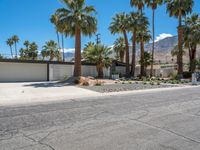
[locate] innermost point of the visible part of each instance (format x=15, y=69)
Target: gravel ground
x=125, y=87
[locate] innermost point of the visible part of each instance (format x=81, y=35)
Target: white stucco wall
x=60, y=72
x=15, y=72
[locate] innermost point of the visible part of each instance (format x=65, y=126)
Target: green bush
x=144, y=83
x=187, y=75
x=173, y=76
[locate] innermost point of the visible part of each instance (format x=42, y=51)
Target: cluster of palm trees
x=137, y=24
x=76, y=19
x=13, y=42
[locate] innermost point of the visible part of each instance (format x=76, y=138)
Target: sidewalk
x=41, y=92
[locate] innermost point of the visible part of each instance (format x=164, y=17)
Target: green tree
x=50, y=48
x=1, y=57
x=153, y=4
x=79, y=19
x=179, y=9
x=192, y=38
x=120, y=24
x=98, y=54
x=10, y=43
x=147, y=61
x=143, y=36
x=134, y=25
x=15, y=39
x=54, y=20
x=60, y=28
x=33, y=51
x=119, y=49
x=139, y=4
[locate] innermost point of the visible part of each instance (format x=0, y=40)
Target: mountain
x=165, y=45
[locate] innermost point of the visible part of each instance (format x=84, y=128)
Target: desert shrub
x=144, y=83
x=98, y=83
x=173, y=76
x=85, y=83
x=158, y=83
x=151, y=83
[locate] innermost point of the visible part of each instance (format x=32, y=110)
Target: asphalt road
x=167, y=120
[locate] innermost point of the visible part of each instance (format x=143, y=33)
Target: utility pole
x=98, y=39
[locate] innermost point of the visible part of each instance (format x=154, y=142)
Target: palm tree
x=192, y=38
x=54, y=20
x=44, y=54
x=79, y=19
x=143, y=35
x=10, y=43
x=147, y=60
x=27, y=44
x=50, y=48
x=33, y=51
x=133, y=27
x=60, y=28
x=119, y=24
x=119, y=48
x=58, y=56
x=15, y=39
x=139, y=4
x=153, y=4
x=98, y=54
x=179, y=9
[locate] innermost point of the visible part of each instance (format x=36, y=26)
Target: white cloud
x=163, y=36
x=68, y=50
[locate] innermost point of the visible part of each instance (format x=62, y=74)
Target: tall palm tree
x=143, y=36
x=27, y=44
x=10, y=43
x=119, y=48
x=50, y=47
x=100, y=55
x=153, y=4
x=54, y=20
x=133, y=27
x=119, y=24
x=80, y=19
x=179, y=9
x=33, y=51
x=15, y=39
x=192, y=38
x=139, y=4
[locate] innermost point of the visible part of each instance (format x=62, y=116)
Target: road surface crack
x=166, y=130
x=39, y=142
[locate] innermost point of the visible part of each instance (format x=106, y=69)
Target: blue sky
x=29, y=19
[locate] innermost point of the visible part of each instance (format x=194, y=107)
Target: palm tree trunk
x=193, y=60
x=142, y=72
x=100, y=71
x=180, y=47
x=127, y=54
x=11, y=51
x=16, y=50
x=58, y=39
x=63, y=49
x=153, y=45
x=77, y=64
x=133, y=53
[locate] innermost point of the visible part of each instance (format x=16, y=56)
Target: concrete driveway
x=167, y=120
x=39, y=92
